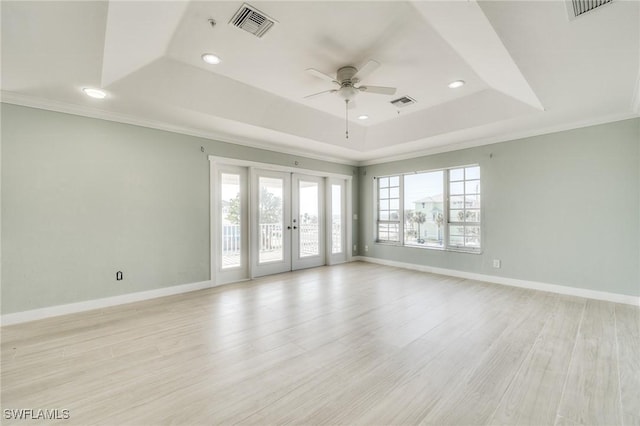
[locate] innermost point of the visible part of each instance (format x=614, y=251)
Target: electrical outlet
x=497, y=263
x=366, y=248
x=355, y=248
x=119, y=276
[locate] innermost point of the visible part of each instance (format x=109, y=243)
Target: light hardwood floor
x=350, y=344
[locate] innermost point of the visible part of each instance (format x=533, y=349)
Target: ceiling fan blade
x=379, y=90
x=367, y=69
x=320, y=93
x=321, y=75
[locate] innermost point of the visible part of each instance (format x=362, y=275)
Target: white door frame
x=216, y=160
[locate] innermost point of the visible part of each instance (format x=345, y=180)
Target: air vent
x=403, y=102
x=576, y=8
x=252, y=20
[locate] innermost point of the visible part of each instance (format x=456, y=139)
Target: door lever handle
x=288, y=227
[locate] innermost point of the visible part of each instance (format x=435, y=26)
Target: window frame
x=400, y=209
x=446, y=246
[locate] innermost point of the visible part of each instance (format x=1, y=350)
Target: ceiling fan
x=348, y=81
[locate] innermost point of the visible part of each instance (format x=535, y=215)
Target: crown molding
x=90, y=112
x=85, y=111
x=512, y=136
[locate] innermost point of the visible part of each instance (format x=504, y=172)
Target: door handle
x=288, y=227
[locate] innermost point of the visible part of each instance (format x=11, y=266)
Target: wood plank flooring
x=349, y=344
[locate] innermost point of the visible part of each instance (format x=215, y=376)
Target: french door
x=270, y=221
x=287, y=222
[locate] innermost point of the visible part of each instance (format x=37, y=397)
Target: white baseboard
x=71, y=308
x=514, y=282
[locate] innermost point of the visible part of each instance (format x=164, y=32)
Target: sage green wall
x=83, y=198
x=562, y=208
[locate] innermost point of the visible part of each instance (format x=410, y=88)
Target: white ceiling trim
x=507, y=137
x=84, y=111
x=28, y=101
x=135, y=38
x=468, y=31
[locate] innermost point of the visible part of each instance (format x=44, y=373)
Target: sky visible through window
x=420, y=185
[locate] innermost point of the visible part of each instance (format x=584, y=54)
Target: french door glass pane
x=309, y=219
x=336, y=219
x=231, y=214
x=270, y=209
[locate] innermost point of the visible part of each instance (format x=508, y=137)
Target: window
x=424, y=209
x=389, y=208
x=464, y=207
x=439, y=209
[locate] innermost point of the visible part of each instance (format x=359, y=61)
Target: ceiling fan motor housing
x=344, y=76
x=346, y=73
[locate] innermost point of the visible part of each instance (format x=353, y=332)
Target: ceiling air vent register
x=579, y=7
x=402, y=102
x=252, y=20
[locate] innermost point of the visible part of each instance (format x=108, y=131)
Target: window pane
x=456, y=174
x=394, y=192
x=471, y=231
x=394, y=204
x=388, y=232
x=384, y=204
x=424, y=209
x=270, y=210
x=472, y=173
x=309, y=241
x=384, y=193
x=394, y=181
x=473, y=216
x=456, y=202
x=336, y=219
x=384, y=182
x=384, y=215
x=455, y=230
x=456, y=240
x=472, y=201
x=472, y=236
x=393, y=215
x=472, y=187
x=456, y=188
x=456, y=215
x=231, y=214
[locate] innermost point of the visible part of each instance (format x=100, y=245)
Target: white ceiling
x=529, y=69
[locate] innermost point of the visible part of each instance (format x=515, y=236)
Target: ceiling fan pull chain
x=346, y=108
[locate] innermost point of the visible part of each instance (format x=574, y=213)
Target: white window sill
x=420, y=247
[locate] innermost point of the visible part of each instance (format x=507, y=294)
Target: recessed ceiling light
x=94, y=93
x=210, y=58
x=363, y=117
x=456, y=84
